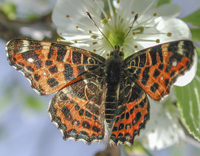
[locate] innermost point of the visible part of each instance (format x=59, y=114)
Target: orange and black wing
x=131, y=114
x=157, y=68
x=50, y=66
x=77, y=110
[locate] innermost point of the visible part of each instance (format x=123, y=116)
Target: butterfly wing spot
x=174, y=63
x=29, y=68
x=30, y=60
x=90, y=60
x=156, y=73
x=36, y=77
x=155, y=86
x=53, y=69
x=86, y=125
x=48, y=62
x=75, y=123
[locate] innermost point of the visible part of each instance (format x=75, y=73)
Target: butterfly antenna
x=99, y=28
x=136, y=16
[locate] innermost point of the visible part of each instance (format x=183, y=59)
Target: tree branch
x=11, y=29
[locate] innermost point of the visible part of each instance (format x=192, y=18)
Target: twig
x=11, y=29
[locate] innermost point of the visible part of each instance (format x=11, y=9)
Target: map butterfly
x=94, y=93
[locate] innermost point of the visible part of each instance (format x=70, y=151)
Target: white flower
x=154, y=25
x=163, y=128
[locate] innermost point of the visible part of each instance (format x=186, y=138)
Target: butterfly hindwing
x=131, y=114
x=50, y=66
x=77, y=110
x=157, y=68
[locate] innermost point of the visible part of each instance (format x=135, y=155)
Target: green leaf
x=198, y=66
x=195, y=34
x=4, y=102
x=32, y=16
x=161, y=2
x=198, y=51
x=9, y=9
x=189, y=104
x=137, y=149
x=193, y=18
x=34, y=103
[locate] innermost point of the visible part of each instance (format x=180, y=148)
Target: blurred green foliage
x=193, y=18
x=9, y=9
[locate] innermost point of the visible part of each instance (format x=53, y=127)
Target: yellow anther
x=155, y=14
x=157, y=41
x=169, y=34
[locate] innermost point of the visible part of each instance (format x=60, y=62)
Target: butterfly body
x=113, y=75
x=91, y=89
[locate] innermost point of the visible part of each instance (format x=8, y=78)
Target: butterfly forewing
x=157, y=68
x=50, y=66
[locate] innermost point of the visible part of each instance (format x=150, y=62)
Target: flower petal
x=76, y=14
x=163, y=129
x=163, y=26
x=177, y=27
x=137, y=6
x=169, y=10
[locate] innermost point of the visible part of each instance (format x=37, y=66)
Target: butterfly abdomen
x=111, y=102
x=113, y=70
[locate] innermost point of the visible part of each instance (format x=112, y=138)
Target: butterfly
x=93, y=93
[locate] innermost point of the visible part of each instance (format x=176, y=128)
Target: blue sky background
x=28, y=132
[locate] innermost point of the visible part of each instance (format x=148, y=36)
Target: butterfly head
x=117, y=53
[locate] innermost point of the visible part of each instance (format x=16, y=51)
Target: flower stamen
x=147, y=40
x=58, y=39
x=157, y=41
x=94, y=37
x=169, y=34
x=110, y=8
